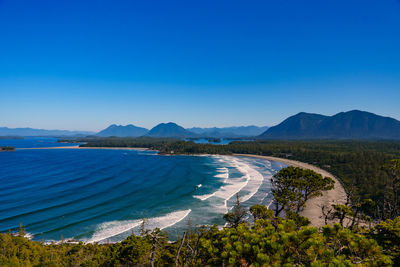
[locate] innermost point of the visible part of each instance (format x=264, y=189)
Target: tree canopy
x=293, y=186
x=270, y=241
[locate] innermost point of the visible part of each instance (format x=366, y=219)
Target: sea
x=105, y=195
x=218, y=141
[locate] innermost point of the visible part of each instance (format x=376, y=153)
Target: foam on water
x=167, y=220
x=119, y=187
x=270, y=203
x=109, y=229
x=204, y=197
x=250, y=181
x=223, y=173
x=262, y=200
x=29, y=236
x=254, y=182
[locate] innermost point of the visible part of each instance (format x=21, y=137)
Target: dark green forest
x=270, y=241
x=368, y=170
x=359, y=165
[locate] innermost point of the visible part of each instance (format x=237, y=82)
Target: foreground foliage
x=271, y=241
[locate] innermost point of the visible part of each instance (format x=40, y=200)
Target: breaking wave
x=250, y=181
x=109, y=229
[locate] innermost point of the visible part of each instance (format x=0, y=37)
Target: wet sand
x=313, y=206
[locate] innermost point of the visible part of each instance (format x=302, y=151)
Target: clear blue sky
x=86, y=64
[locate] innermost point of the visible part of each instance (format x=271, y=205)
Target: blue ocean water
x=101, y=195
x=32, y=142
x=221, y=141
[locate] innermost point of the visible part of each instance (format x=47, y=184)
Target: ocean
x=103, y=195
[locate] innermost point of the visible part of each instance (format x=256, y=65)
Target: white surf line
x=251, y=179
x=236, y=185
x=270, y=203
x=233, y=186
x=267, y=194
x=204, y=197
x=255, y=182
x=179, y=215
x=223, y=173
x=26, y=235
x=110, y=229
x=113, y=228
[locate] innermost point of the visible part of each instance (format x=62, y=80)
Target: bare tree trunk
x=396, y=197
x=341, y=219
x=179, y=249
x=325, y=213
x=355, y=216
x=277, y=209
x=153, y=251
x=188, y=257
x=196, y=248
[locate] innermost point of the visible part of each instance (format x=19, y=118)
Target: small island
x=7, y=148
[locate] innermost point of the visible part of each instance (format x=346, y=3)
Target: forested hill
x=123, y=131
x=345, y=125
x=171, y=130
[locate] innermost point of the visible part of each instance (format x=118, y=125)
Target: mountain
x=226, y=132
x=302, y=125
x=170, y=129
x=5, y=131
x=353, y=124
x=123, y=131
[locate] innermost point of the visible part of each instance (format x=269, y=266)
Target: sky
x=83, y=65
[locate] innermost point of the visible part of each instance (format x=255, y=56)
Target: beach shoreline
x=313, y=207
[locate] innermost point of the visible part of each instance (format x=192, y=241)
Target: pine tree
x=237, y=216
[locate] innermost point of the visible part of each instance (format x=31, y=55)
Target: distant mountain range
x=162, y=130
x=170, y=129
x=4, y=131
x=353, y=124
x=174, y=130
x=229, y=132
x=123, y=131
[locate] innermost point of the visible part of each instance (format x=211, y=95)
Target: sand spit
x=313, y=207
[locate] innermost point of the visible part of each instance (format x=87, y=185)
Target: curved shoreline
x=312, y=210
x=313, y=206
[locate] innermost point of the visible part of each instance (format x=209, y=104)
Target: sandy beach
x=313, y=207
